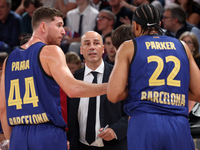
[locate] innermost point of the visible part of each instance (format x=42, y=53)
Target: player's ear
x=160, y=24
x=43, y=27
x=81, y=50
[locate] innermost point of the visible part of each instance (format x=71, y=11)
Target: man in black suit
x=105, y=112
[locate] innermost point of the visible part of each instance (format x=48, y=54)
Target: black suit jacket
x=110, y=113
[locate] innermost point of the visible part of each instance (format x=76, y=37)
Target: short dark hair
x=108, y=35
x=43, y=13
x=111, y=16
x=121, y=34
x=177, y=12
x=36, y=3
x=148, y=17
x=25, y=39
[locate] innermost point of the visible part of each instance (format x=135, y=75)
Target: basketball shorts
x=38, y=137
x=159, y=132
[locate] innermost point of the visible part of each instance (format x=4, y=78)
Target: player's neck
x=153, y=32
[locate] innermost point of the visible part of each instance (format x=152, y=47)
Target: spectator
x=9, y=24
x=110, y=50
x=114, y=137
x=73, y=61
x=174, y=21
x=5, y=48
x=25, y=39
x=192, y=10
x=120, y=12
x=30, y=6
x=190, y=39
x=80, y=20
x=105, y=22
x=124, y=32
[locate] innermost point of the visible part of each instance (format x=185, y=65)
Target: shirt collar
x=85, y=12
x=100, y=69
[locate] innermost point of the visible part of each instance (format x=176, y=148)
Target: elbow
x=2, y=110
x=112, y=98
x=72, y=94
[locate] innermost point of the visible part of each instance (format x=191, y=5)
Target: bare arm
x=65, y=8
x=20, y=10
x=190, y=105
x=123, y=3
x=54, y=63
x=6, y=128
x=117, y=85
x=194, y=85
x=194, y=19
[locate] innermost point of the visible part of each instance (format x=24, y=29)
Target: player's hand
x=107, y=134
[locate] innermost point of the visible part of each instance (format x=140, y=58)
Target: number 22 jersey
x=159, y=77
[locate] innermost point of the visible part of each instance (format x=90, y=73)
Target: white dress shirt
x=83, y=107
x=88, y=22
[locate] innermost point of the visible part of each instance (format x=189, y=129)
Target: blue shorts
x=159, y=132
x=38, y=137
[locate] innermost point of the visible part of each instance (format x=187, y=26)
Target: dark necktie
x=91, y=119
x=80, y=25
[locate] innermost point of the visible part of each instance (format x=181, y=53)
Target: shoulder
x=188, y=26
x=51, y=51
x=107, y=65
x=15, y=15
x=25, y=16
x=72, y=12
x=93, y=10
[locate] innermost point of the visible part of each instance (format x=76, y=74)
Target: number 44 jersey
x=159, y=76
x=32, y=97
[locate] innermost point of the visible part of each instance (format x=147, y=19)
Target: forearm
x=193, y=97
x=123, y=95
x=132, y=7
x=85, y=89
x=65, y=8
x=190, y=105
x=4, y=123
x=115, y=96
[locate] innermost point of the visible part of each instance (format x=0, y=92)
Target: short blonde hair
x=194, y=40
x=73, y=58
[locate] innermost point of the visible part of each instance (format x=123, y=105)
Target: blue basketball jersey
x=32, y=97
x=159, y=77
